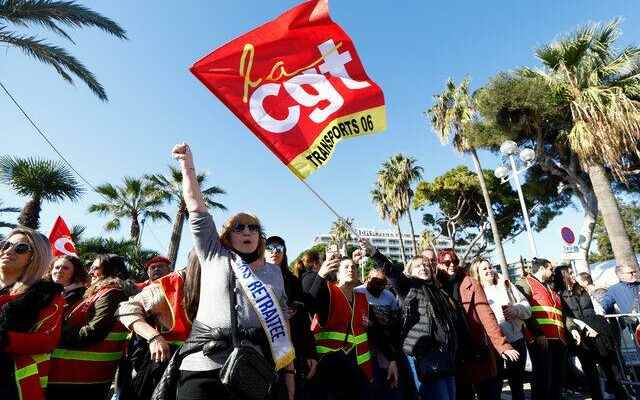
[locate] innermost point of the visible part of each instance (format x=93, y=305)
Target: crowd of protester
x=431, y=329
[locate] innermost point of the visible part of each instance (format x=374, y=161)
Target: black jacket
x=74, y=296
x=577, y=304
x=301, y=336
x=428, y=313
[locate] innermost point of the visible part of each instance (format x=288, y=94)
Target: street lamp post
x=510, y=149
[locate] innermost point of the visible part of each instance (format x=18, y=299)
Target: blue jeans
x=441, y=389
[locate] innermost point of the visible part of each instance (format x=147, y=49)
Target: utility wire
x=45, y=137
x=62, y=157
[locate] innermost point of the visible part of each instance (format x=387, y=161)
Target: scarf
x=429, y=319
x=249, y=257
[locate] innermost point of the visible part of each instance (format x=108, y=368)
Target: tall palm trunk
x=590, y=207
x=176, y=234
x=30, y=214
x=504, y=268
x=413, y=234
x=135, y=229
x=620, y=243
x=404, y=256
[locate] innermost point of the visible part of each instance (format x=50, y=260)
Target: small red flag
x=60, y=239
x=298, y=84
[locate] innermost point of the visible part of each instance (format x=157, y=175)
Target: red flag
x=298, y=84
x=60, y=239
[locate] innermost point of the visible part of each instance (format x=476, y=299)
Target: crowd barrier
x=628, y=350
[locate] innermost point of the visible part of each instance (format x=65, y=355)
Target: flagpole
x=329, y=207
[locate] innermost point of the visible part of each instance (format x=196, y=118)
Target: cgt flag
x=298, y=84
x=60, y=239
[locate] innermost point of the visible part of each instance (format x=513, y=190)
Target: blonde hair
x=242, y=218
x=298, y=268
x=38, y=263
x=474, y=271
x=414, y=262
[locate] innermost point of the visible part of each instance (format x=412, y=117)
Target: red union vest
x=95, y=363
x=31, y=371
x=345, y=328
x=546, y=308
x=172, y=286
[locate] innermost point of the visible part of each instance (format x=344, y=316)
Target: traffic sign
x=567, y=235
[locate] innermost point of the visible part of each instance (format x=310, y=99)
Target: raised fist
x=182, y=152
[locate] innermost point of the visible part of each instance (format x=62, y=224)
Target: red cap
x=157, y=260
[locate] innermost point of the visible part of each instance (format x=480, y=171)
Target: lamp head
x=509, y=148
x=527, y=155
x=501, y=172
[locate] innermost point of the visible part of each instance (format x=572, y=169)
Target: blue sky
x=408, y=48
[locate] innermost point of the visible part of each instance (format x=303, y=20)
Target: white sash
x=266, y=306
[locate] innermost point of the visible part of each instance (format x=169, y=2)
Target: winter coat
x=29, y=331
x=485, y=334
x=577, y=305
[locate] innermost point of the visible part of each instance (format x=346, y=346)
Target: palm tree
x=601, y=85
x=49, y=14
x=427, y=241
x=4, y=224
x=134, y=200
x=77, y=231
x=41, y=180
x=341, y=232
x=452, y=112
x=133, y=254
x=388, y=211
x=396, y=176
x=171, y=187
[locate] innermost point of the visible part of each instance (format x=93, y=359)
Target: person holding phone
x=427, y=328
x=511, y=309
x=384, y=329
x=340, y=327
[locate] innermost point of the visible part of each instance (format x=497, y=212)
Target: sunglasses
x=240, y=227
x=275, y=248
x=448, y=262
x=20, y=247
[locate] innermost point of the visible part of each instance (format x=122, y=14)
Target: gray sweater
x=214, y=291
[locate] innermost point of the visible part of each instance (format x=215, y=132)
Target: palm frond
x=100, y=208
x=46, y=13
x=50, y=180
x=107, y=190
x=57, y=57
x=213, y=190
x=156, y=215
x=453, y=109
x=600, y=85
x=112, y=225
x=215, y=205
x=76, y=232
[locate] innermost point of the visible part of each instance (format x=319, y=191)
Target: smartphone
x=343, y=251
x=331, y=251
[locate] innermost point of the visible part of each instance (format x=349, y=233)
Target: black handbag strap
x=235, y=337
